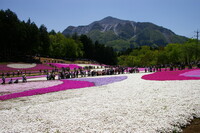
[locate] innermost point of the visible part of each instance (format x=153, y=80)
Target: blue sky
x=180, y=16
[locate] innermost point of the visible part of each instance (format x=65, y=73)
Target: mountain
x=123, y=34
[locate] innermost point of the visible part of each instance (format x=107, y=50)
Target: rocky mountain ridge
x=122, y=34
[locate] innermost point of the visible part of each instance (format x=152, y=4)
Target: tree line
x=186, y=53
x=20, y=40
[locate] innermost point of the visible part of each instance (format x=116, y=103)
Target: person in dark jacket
x=3, y=80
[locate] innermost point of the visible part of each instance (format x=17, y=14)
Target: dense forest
x=185, y=53
x=20, y=40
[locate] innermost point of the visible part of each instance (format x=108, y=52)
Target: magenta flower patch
x=4, y=67
x=173, y=75
x=60, y=65
x=67, y=84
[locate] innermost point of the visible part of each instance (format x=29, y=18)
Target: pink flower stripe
x=67, y=84
x=60, y=65
x=4, y=67
x=172, y=75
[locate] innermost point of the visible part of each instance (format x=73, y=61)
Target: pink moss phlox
x=4, y=67
x=71, y=66
x=170, y=75
x=67, y=84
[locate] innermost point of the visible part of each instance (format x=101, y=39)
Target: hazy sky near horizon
x=180, y=16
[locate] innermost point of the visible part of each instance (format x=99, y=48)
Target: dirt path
x=194, y=127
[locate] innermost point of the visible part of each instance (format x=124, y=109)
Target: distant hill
x=123, y=34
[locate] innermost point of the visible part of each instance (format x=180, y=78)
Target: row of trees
x=20, y=39
x=80, y=47
x=171, y=54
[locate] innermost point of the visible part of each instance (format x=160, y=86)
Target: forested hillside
x=21, y=40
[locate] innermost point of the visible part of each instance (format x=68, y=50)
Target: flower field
x=131, y=105
x=77, y=66
x=27, y=67
x=193, y=74
x=67, y=84
x=34, y=88
x=20, y=87
x=60, y=65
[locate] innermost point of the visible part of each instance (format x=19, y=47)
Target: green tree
x=44, y=41
x=9, y=34
x=88, y=47
x=174, y=53
x=62, y=47
x=162, y=57
x=191, y=51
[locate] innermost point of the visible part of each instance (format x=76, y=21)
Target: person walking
x=3, y=80
x=24, y=78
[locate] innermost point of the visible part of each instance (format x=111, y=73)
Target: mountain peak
x=111, y=20
x=110, y=30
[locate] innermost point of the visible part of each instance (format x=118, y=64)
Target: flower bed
x=67, y=84
x=5, y=67
x=27, y=89
x=20, y=87
x=102, y=81
x=61, y=65
x=191, y=74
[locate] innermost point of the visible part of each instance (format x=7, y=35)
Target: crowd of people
x=24, y=79
x=65, y=73
x=171, y=67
